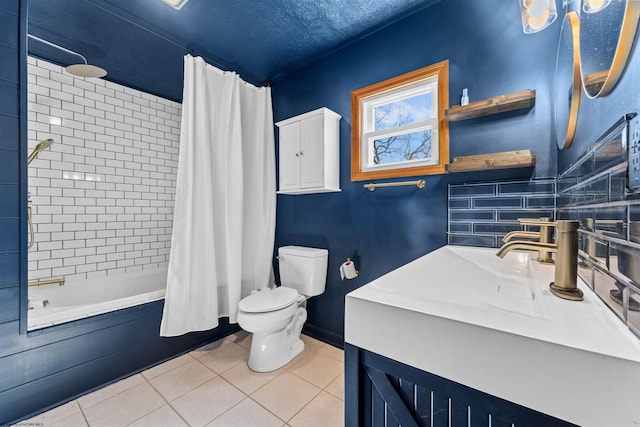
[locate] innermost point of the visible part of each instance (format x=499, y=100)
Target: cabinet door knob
x=301, y=154
x=297, y=154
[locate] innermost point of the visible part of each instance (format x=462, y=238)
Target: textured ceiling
x=260, y=39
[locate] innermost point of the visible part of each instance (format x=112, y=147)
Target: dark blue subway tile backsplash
x=481, y=214
x=472, y=190
x=528, y=187
x=513, y=216
x=498, y=202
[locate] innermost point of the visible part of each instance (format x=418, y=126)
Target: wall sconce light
x=537, y=15
x=176, y=4
x=593, y=6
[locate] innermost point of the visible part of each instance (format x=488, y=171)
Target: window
x=398, y=126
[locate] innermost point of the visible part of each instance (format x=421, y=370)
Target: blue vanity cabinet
x=383, y=392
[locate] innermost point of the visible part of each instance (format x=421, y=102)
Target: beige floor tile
x=317, y=368
x=182, y=379
x=309, y=350
x=247, y=413
x=247, y=380
x=161, y=417
x=336, y=387
x=124, y=408
x=200, y=396
x=224, y=357
x=242, y=338
x=64, y=415
x=167, y=366
x=75, y=420
x=205, y=403
x=285, y=395
x=311, y=342
x=333, y=352
x=323, y=348
x=111, y=390
x=200, y=351
x=324, y=410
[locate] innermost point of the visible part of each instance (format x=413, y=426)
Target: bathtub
x=54, y=304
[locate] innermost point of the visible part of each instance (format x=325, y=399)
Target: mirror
x=567, y=86
x=607, y=29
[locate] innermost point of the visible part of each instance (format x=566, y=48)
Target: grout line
x=86, y=420
x=266, y=409
x=163, y=398
x=305, y=405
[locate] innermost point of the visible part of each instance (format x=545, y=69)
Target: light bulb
x=537, y=8
x=593, y=6
x=538, y=22
x=176, y=4
x=537, y=14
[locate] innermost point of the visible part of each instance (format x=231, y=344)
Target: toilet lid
x=268, y=300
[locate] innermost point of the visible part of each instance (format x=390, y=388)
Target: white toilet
x=276, y=316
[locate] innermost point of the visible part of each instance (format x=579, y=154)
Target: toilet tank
x=303, y=269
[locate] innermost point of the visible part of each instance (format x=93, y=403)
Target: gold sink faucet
x=565, y=284
x=545, y=235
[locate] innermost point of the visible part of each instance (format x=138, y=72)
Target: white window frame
x=369, y=134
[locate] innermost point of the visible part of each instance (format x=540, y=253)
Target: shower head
x=85, y=70
x=78, y=70
x=42, y=145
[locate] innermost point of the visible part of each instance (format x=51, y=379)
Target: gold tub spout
x=566, y=248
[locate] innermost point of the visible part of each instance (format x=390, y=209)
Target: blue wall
x=49, y=366
x=11, y=139
x=489, y=54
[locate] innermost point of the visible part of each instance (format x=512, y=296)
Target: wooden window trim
x=440, y=70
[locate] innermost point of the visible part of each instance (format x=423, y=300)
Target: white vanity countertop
x=492, y=324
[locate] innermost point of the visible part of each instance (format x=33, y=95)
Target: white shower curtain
x=224, y=216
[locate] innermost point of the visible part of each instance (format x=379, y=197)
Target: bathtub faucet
x=566, y=249
x=48, y=282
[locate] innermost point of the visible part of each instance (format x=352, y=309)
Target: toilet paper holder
x=348, y=270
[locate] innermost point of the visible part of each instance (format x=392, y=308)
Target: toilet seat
x=269, y=300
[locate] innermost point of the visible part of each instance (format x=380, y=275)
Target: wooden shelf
x=498, y=104
x=502, y=160
x=593, y=82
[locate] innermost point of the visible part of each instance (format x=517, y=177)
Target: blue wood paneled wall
x=43, y=368
x=10, y=141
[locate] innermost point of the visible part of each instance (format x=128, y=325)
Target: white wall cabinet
x=310, y=153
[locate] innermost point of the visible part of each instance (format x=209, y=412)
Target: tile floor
x=212, y=386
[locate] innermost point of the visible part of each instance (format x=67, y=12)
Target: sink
x=563, y=358
x=515, y=298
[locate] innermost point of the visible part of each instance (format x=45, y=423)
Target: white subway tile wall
x=103, y=193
